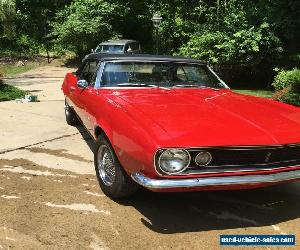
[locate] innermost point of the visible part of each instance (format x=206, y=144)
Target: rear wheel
x=71, y=117
x=113, y=180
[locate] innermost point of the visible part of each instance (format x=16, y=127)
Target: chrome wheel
x=113, y=179
x=106, y=167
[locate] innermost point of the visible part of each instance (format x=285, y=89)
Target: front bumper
x=244, y=180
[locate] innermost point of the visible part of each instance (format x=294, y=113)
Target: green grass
x=8, y=92
x=10, y=70
x=255, y=92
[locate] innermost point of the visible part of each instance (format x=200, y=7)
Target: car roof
x=139, y=57
x=117, y=42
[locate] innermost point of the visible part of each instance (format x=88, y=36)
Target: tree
x=32, y=22
x=7, y=17
x=85, y=23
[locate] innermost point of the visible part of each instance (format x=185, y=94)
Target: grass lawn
x=11, y=69
x=258, y=92
x=8, y=92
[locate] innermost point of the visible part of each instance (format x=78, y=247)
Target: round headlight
x=173, y=161
x=203, y=158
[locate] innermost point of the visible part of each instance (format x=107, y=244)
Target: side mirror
x=82, y=84
x=92, y=51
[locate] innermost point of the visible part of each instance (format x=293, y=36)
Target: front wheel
x=113, y=180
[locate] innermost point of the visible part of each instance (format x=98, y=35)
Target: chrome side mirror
x=82, y=84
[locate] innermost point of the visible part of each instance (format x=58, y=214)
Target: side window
x=88, y=72
x=134, y=46
x=128, y=48
x=181, y=76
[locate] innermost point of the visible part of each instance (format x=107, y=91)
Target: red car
x=171, y=124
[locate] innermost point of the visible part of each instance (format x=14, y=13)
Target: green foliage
x=85, y=23
x=235, y=42
x=287, y=84
x=243, y=39
x=292, y=98
x=8, y=92
x=287, y=78
x=7, y=17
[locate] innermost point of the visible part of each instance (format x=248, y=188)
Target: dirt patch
x=58, y=152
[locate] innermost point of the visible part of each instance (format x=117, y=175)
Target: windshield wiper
x=186, y=86
x=128, y=84
x=194, y=86
x=208, y=87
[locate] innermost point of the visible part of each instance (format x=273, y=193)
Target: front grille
x=245, y=158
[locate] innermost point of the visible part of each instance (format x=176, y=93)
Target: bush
x=287, y=78
x=8, y=92
x=291, y=98
x=287, y=84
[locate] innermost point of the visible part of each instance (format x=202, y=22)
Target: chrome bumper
x=214, y=181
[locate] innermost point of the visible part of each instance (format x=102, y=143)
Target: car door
x=86, y=96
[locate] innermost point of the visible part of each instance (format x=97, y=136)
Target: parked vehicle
x=171, y=124
x=119, y=47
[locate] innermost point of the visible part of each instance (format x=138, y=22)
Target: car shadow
x=169, y=213
x=87, y=138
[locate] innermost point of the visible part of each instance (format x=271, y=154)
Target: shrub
x=291, y=98
x=287, y=84
x=287, y=78
x=8, y=92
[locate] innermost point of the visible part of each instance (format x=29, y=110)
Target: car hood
x=206, y=117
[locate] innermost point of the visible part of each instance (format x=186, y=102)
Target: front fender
x=133, y=143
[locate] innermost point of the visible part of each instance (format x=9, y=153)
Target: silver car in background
x=119, y=47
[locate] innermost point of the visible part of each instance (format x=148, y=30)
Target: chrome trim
x=99, y=71
x=178, y=172
x=214, y=181
x=258, y=164
x=136, y=59
x=238, y=147
x=218, y=171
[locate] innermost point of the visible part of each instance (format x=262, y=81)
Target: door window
x=88, y=72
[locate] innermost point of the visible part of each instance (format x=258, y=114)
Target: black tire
x=118, y=185
x=71, y=117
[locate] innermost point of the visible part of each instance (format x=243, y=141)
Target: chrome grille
x=245, y=158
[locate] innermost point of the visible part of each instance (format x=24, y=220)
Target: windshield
x=162, y=74
x=110, y=48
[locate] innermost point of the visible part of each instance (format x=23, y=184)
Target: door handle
x=72, y=89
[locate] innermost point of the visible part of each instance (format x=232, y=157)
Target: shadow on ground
x=170, y=213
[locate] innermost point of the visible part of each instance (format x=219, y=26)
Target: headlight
x=173, y=161
x=203, y=158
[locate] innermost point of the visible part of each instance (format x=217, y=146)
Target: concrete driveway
x=50, y=198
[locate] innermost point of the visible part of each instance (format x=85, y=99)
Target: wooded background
x=244, y=40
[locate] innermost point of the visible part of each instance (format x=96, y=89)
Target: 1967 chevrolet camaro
x=171, y=124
